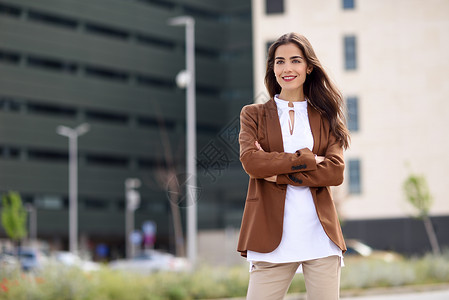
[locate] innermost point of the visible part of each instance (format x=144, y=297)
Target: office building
x=388, y=58
x=112, y=64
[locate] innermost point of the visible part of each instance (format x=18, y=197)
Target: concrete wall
x=401, y=84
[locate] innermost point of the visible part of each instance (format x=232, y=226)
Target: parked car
x=357, y=248
x=70, y=259
x=8, y=262
x=30, y=259
x=151, y=261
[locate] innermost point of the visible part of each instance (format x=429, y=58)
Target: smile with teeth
x=288, y=78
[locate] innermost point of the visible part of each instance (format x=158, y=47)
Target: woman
x=292, y=149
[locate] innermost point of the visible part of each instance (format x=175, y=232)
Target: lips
x=288, y=78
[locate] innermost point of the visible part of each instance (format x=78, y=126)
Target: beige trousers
x=270, y=281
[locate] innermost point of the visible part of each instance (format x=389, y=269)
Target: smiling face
x=290, y=69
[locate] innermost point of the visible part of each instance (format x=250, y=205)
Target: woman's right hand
x=319, y=159
x=271, y=178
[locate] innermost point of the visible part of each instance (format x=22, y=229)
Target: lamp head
x=181, y=20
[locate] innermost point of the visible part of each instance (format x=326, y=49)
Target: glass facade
x=114, y=67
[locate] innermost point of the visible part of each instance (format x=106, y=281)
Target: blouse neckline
x=283, y=104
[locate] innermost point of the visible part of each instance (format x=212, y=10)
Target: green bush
x=206, y=283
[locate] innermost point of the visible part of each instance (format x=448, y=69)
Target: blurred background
x=113, y=64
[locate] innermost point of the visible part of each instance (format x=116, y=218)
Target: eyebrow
x=297, y=56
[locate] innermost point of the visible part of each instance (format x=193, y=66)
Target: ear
x=309, y=70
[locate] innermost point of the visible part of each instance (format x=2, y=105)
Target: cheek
x=277, y=75
x=278, y=68
x=277, y=72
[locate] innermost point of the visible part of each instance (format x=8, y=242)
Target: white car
x=72, y=260
x=357, y=248
x=151, y=261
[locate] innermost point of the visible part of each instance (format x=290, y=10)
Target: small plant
x=418, y=194
x=14, y=217
x=207, y=282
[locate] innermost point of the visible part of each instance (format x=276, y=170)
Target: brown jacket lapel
x=274, y=133
x=315, y=126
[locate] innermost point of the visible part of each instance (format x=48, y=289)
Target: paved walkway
x=430, y=295
x=423, y=292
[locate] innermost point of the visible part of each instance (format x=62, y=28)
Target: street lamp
x=73, y=134
x=33, y=222
x=186, y=78
x=132, y=203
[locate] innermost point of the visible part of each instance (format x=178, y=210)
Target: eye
x=279, y=62
x=296, y=61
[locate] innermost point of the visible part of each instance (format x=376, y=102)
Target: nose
x=287, y=67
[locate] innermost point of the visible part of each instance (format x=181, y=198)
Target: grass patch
x=205, y=283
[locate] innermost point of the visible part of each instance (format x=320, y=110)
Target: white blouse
x=303, y=237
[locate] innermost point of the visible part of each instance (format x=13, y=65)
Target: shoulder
x=259, y=107
x=252, y=107
x=252, y=110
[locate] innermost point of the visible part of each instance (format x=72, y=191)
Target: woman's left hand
x=271, y=178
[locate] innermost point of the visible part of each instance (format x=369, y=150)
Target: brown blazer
x=263, y=217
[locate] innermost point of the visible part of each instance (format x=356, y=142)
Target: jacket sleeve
x=329, y=172
x=261, y=164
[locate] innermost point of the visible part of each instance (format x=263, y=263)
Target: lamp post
x=72, y=134
x=186, y=78
x=132, y=203
x=33, y=223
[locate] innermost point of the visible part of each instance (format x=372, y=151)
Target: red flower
x=40, y=280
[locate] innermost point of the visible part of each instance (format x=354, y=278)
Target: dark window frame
x=350, y=52
x=274, y=7
x=348, y=4
x=352, y=104
x=354, y=176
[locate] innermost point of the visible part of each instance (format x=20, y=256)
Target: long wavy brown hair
x=321, y=92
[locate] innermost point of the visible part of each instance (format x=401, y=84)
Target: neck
x=292, y=95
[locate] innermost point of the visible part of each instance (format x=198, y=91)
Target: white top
x=303, y=237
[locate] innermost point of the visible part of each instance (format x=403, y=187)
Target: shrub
x=206, y=282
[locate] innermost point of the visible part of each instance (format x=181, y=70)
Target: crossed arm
x=315, y=171
x=273, y=178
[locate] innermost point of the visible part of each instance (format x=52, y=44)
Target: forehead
x=288, y=50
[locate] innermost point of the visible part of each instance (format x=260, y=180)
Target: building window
x=47, y=155
x=106, y=31
x=109, y=117
x=107, y=160
x=350, y=52
x=51, y=202
x=354, y=176
x=348, y=4
x=11, y=10
x=52, y=19
x=51, y=110
x=7, y=152
x=95, y=204
x=352, y=104
x=9, y=57
x=9, y=104
x=274, y=7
